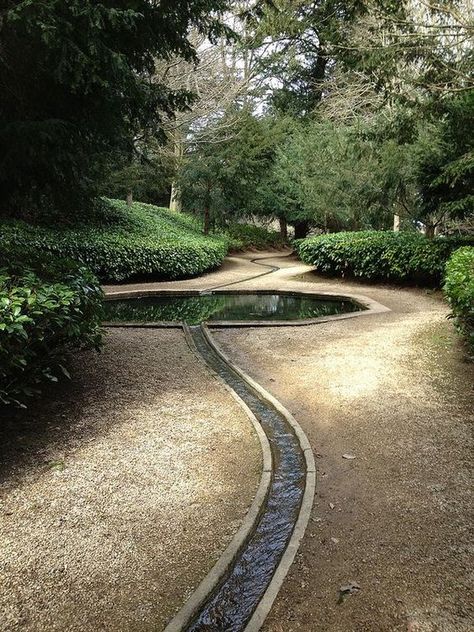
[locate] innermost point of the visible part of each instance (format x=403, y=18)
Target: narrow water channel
x=234, y=600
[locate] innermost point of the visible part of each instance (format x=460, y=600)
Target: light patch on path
x=394, y=391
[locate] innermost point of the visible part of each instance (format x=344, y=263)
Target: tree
x=221, y=178
x=446, y=169
x=326, y=178
x=146, y=177
x=216, y=83
x=77, y=83
x=405, y=69
x=293, y=40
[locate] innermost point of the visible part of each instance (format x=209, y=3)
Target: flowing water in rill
x=231, y=606
x=224, y=306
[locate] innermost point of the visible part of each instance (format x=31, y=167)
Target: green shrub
x=244, y=236
x=459, y=291
x=47, y=309
x=380, y=256
x=122, y=243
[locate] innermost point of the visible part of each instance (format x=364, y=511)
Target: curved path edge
x=185, y=615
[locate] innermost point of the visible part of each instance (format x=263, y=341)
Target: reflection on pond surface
x=224, y=306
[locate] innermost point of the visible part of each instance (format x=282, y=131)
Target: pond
x=225, y=306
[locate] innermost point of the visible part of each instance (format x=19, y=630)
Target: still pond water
x=224, y=307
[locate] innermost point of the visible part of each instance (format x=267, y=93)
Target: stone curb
x=286, y=561
x=209, y=583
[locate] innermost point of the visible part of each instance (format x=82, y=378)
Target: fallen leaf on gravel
x=349, y=588
x=348, y=456
x=331, y=505
x=56, y=465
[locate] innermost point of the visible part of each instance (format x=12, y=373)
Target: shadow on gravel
x=104, y=389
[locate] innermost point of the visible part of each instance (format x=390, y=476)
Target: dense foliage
x=77, y=85
x=245, y=236
x=337, y=135
x=123, y=243
x=381, y=256
x=47, y=309
x=459, y=290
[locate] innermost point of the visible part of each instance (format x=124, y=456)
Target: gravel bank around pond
x=119, y=493
x=394, y=391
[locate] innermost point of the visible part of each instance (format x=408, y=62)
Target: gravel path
x=393, y=391
x=233, y=270
x=119, y=493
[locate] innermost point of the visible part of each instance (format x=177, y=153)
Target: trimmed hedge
x=381, y=256
x=244, y=236
x=124, y=243
x=47, y=309
x=459, y=291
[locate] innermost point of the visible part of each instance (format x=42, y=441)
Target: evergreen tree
x=76, y=83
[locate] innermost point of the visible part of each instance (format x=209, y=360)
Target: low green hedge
x=459, y=291
x=124, y=243
x=47, y=309
x=381, y=256
x=244, y=236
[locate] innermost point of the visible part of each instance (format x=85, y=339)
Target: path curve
x=257, y=261
x=238, y=593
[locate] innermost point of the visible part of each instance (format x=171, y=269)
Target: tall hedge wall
x=381, y=255
x=459, y=291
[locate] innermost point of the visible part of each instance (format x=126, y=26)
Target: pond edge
x=368, y=305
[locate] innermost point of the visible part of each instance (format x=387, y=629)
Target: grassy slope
x=122, y=243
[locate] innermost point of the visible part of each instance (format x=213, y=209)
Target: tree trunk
x=396, y=223
x=178, y=150
x=129, y=198
x=283, y=228
x=207, y=220
x=301, y=229
x=429, y=231
x=175, y=198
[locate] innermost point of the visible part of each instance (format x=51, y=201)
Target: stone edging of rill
x=208, y=584
x=286, y=561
